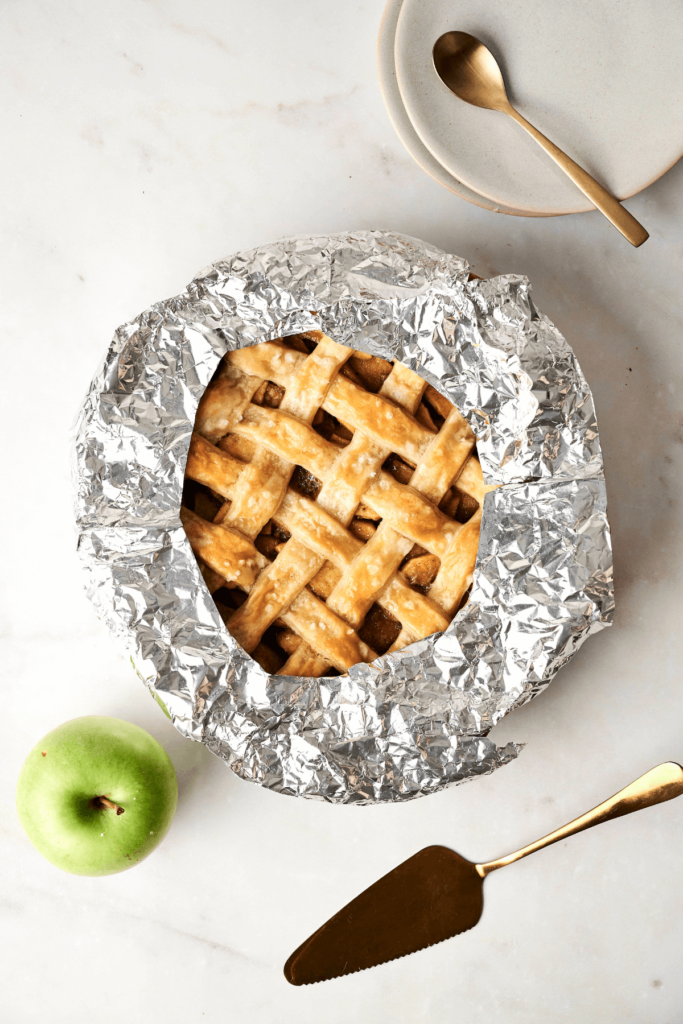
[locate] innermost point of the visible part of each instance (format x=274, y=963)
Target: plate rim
x=411, y=141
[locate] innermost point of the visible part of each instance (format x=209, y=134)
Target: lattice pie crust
x=333, y=502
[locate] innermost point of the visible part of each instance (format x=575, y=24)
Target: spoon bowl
x=470, y=71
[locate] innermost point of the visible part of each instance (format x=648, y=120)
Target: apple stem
x=103, y=801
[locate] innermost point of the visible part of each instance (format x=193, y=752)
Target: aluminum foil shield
x=411, y=722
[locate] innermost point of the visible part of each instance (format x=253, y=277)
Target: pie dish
x=418, y=717
x=333, y=501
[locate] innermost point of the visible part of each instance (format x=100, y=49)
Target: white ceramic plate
x=402, y=123
x=602, y=78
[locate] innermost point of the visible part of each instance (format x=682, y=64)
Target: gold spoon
x=471, y=72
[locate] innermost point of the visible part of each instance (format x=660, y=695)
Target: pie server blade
x=428, y=898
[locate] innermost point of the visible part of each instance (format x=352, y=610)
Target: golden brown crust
x=227, y=552
x=367, y=558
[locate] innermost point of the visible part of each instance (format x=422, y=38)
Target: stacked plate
x=604, y=81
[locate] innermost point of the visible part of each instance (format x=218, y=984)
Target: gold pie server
x=471, y=72
x=437, y=894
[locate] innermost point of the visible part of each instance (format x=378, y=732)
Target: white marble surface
x=141, y=141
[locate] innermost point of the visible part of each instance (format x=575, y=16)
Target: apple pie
x=333, y=501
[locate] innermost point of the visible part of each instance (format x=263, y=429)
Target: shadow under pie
x=333, y=501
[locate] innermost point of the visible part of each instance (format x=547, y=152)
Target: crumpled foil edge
x=412, y=722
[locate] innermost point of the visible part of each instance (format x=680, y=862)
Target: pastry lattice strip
x=257, y=491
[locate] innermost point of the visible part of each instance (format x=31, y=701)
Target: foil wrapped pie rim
x=413, y=721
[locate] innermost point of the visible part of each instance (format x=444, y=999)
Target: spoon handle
x=599, y=196
x=659, y=784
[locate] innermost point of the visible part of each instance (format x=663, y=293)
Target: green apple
x=96, y=795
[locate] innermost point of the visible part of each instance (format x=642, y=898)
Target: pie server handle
x=659, y=784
